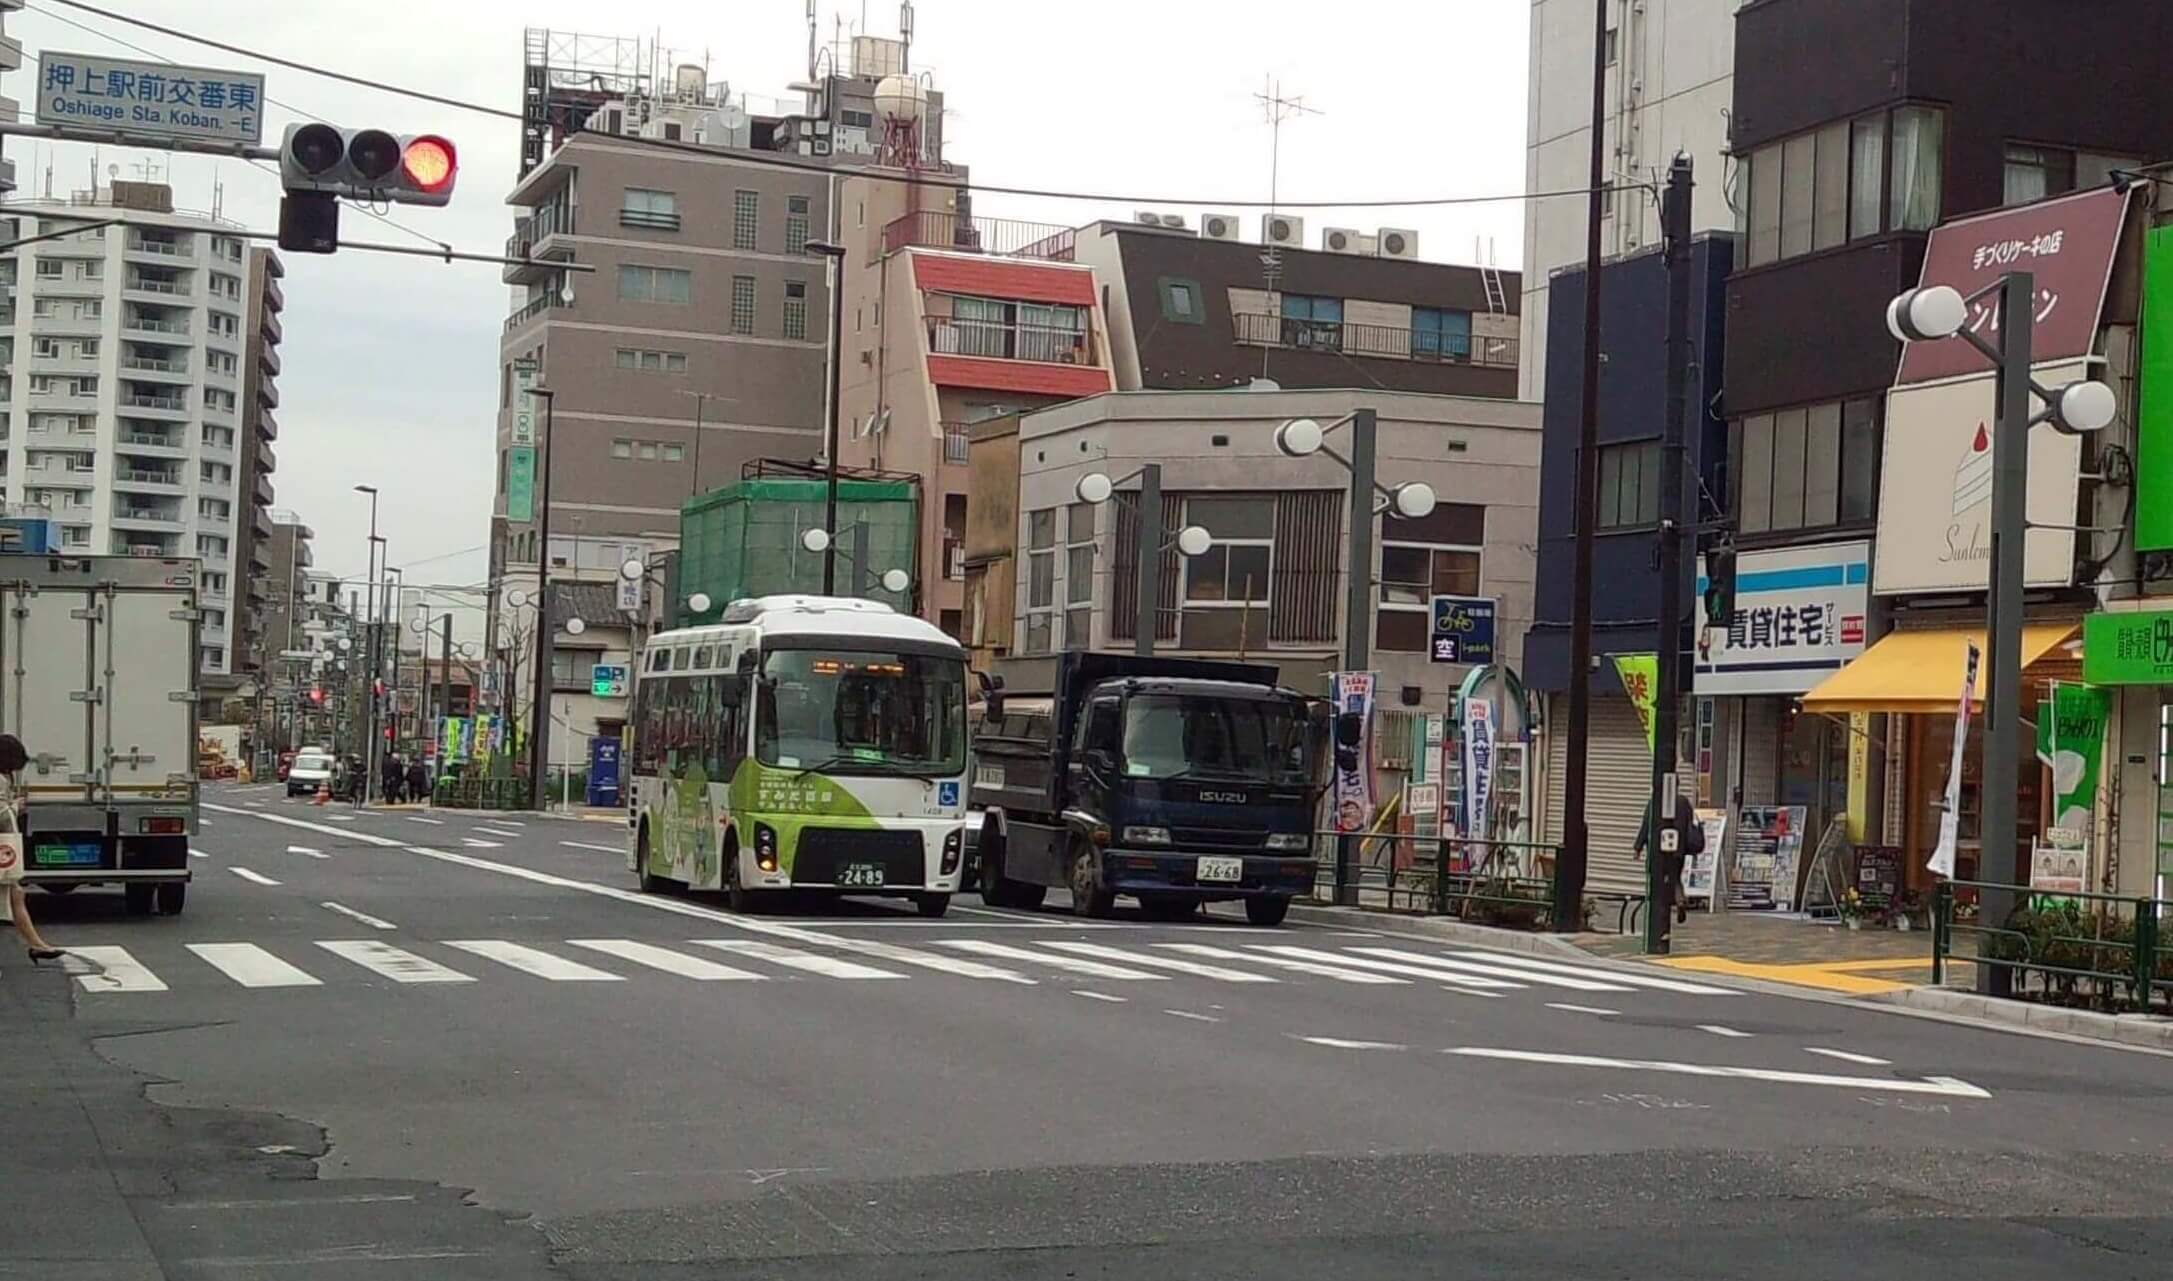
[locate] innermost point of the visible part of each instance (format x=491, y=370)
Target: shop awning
x=1920, y=671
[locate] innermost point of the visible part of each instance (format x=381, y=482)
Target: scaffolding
x=566, y=75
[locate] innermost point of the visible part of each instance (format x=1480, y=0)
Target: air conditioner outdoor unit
x=1219, y=226
x=1348, y=240
x=1398, y=242
x=1174, y=220
x=1147, y=219
x=1283, y=230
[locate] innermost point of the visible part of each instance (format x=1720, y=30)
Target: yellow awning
x=1921, y=671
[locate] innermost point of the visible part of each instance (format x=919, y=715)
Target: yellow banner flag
x=1640, y=675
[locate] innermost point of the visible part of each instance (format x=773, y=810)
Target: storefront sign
x=2154, y=397
x=1799, y=616
x=1935, y=527
x=2128, y=648
x=2058, y=869
x=2071, y=743
x=1640, y=675
x=1767, y=848
x=1941, y=862
x=2067, y=246
x=1478, y=765
x=1859, y=795
x=1463, y=629
x=1354, y=751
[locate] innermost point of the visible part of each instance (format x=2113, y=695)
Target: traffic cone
x=323, y=795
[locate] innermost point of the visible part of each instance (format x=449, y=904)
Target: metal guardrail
x=1486, y=882
x=2065, y=940
x=543, y=303
x=482, y=793
x=1003, y=237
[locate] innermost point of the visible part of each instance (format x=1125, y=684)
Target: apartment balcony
x=135, y=322
x=149, y=368
x=156, y=444
x=261, y=490
x=153, y=406
x=1001, y=237
x=61, y=325
x=536, y=307
x=267, y=360
x=994, y=339
x=156, y=482
x=154, y=548
x=70, y=287
x=275, y=298
x=49, y=476
x=61, y=402
x=155, y=290
x=540, y=239
x=274, y=332
x=136, y=517
x=1256, y=329
x=267, y=426
x=160, y=250
x=268, y=463
x=267, y=393
x=955, y=442
x=63, y=364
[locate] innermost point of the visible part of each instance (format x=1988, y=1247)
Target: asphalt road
x=377, y=1046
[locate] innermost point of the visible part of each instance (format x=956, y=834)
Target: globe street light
x=820, y=543
x=1095, y=488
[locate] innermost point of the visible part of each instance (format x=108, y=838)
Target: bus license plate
x=1226, y=870
x=861, y=874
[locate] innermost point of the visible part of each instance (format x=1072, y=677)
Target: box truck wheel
x=137, y=896
x=1088, y=898
x=172, y=896
x=1267, y=910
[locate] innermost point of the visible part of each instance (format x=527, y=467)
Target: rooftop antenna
x=905, y=36
x=812, y=29
x=1278, y=107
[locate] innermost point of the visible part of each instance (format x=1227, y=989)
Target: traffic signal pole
x=1661, y=889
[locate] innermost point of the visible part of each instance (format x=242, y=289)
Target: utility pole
x=1675, y=230
x=836, y=255
x=1569, y=867
x=541, y=651
x=1357, y=609
x=1147, y=617
x=1998, y=859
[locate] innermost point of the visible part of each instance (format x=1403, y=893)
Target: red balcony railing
x=1002, y=237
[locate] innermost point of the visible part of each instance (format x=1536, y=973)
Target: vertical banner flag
x=1640, y=675
x=1478, y=765
x=2071, y=742
x=1353, y=751
x=1941, y=862
x=524, y=405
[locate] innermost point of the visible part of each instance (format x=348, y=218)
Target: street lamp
x=1411, y=500
x=1932, y=314
x=836, y=254
x=818, y=541
x=1095, y=488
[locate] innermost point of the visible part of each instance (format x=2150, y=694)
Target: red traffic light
x=316, y=696
x=429, y=162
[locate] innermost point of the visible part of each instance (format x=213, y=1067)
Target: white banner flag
x=1942, y=859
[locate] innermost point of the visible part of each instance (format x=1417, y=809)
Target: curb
x=2128, y=1029
x=1452, y=931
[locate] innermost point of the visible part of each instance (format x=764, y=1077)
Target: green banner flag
x=521, y=483
x=1640, y=675
x=2071, y=742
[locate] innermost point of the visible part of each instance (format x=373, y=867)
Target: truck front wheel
x=1267, y=910
x=1088, y=898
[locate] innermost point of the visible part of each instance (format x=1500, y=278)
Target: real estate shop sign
x=1800, y=615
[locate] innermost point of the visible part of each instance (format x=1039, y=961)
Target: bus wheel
x=932, y=905
x=650, y=882
x=1088, y=898
x=736, y=896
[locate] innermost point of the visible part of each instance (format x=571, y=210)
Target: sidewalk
x=1786, y=948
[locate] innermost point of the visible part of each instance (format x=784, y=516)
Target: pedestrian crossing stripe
x=824, y=955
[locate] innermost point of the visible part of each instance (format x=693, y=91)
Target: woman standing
x=12, y=760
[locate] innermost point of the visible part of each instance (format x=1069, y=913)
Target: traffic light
x=1719, y=584
x=316, y=695
x=319, y=163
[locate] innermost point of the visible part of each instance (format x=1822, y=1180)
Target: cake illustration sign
x=1966, y=537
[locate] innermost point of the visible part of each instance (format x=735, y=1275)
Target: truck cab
x=1173, y=781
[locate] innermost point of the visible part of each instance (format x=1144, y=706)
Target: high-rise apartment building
x=11, y=58
x=123, y=352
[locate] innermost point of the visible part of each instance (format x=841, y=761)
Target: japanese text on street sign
x=150, y=98
x=524, y=405
x=521, y=483
x=1463, y=629
x=607, y=680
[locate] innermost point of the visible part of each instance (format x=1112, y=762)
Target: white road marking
x=254, y=804
x=536, y=961
x=1129, y=957
x=203, y=822
x=341, y=818
x=475, y=844
x=373, y=922
x=791, y=958
x=109, y=969
x=304, y=849
x=197, y=853
x=1093, y=969
x=252, y=966
x=660, y=958
x=1386, y=967
x=1187, y=1014
x=1845, y=1056
x=1945, y=1085
x=600, y=849
x=394, y=963
x=489, y=831
x=1099, y=996
x=1492, y=971
x=1338, y=1043
x=247, y=875
x=901, y=955
x=1522, y=962
x=1717, y=1030
x=1580, y=1009
x=510, y=822
x=1283, y=963
x=1466, y=991
x=434, y=822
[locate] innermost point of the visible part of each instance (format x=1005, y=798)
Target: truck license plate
x=861, y=874
x=76, y=855
x=1229, y=871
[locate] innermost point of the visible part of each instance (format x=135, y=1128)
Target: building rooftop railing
x=1002, y=237
x=1255, y=329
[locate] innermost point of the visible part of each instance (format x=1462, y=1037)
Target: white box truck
x=98, y=679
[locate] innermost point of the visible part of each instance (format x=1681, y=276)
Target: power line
x=808, y=166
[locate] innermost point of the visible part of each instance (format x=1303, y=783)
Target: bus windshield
x=834, y=709
x=1169, y=735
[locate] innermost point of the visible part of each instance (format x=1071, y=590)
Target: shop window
x=1629, y=485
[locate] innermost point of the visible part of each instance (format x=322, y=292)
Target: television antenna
x=1277, y=107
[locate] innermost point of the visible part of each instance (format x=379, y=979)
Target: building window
x=622, y=449
x=1436, y=555
x=1629, y=485
x=795, y=317
x=1612, y=46
x=49, y=268
x=796, y=211
x=1040, y=578
x=1843, y=181
x=1310, y=321
x=1440, y=335
x=2033, y=173
x=1079, y=575
x=1235, y=568
x=655, y=284
x=1867, y=176
x=1180, y=301
x=651, y=362
x=856, y=119
x=743, y=304
x=1811, y=467
x=646, y=451
x=674, y=452
x=1913, y=189
x=655, y=210
x=746, y=217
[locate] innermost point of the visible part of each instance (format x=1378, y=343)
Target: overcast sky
x=389, y=363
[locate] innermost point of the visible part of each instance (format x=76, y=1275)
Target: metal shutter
x=1618, y=782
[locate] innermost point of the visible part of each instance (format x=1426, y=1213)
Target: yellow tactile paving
x=1831, y=976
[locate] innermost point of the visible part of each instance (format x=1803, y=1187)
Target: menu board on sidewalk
x=1699, y=868
x=1767, y=848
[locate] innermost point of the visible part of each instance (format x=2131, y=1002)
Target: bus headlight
x=1146, y=836
x=954, y=846
x=1290, y=842
x=765, y=847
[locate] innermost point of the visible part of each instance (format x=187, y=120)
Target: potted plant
x=1853, y=909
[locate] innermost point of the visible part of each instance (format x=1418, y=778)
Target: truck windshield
x=1167, y=735
x=887, y=712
